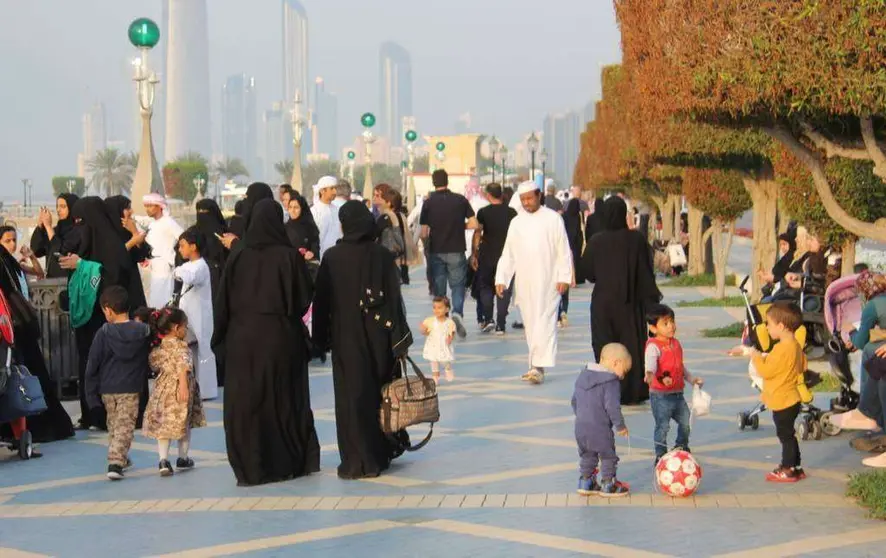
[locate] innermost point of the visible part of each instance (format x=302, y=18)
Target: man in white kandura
x=537, y=251
x=163, y=233
x=326, y=214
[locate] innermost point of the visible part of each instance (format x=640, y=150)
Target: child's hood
x=128, y=338
x=594, y=375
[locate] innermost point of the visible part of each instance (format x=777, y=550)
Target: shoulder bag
x=24, y=315
x=24, y=396
x=409, y=401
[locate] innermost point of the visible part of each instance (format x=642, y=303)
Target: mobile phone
x=218, y=236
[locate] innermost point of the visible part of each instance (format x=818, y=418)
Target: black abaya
x=264, y=293
x=211, y=224
x=63, y=241
x=572, y=218
x=362, y=354
x=115, y=206
x=618, y=261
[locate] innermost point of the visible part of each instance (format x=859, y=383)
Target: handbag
x=676, y=254
x=24, y=396
x=406, y=402
x=24, y=315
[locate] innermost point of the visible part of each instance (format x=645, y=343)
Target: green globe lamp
x=411, y=136
x=367, y=120
x=351, y=155
x=144, y=33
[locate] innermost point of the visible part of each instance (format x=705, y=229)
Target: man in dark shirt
x=489, y=241
x=551, y=201
x=444, y=217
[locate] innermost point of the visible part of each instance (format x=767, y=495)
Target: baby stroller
x=19, y=391
x=812, y=421
x=842, y=311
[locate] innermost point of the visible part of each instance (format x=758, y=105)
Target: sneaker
x=799, y=473
x=588, y=486
x=459, y=326
x=115, y=472
x=614, y=489
x=517, y=325
x=165, y=468
x=499, y=331
x=488, y=328
x=782, y=474
x=184, y=463
x=877, y=461
x=128, y=464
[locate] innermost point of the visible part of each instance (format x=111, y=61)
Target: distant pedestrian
x=439, y=330
x=552, y=202
x=342, y=193
x=326, y=214
x=493, y=221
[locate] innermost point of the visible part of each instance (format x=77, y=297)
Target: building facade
x=395, y=91
x=295, y=52
x=562, y=140
x=324, y=121
x=276, y=122
x=240, y=120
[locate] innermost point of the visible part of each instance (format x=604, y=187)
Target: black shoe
x=128, y=464
x=499, y=331
x=81, y=425
x=115, y=472
x=166, y=468
x=517, y=325
x=184, y=463
x=682, y=448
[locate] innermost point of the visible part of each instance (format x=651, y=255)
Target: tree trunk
x=653, y=223
x=678, y=212
x=721, y=254
x=764, y=195
x=665, y=205
x=848, y=266
x=696, y=242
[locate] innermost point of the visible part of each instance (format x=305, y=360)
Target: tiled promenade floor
x=498, y=479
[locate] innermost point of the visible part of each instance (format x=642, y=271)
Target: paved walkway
x=498, y=479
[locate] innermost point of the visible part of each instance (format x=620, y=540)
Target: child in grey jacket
x=597, y=407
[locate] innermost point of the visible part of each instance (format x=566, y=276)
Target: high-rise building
x=325, y=121
x=240, y=120
x=95, y=131
x=395, y=91
x=276, y=122
x=562, y=140
x=188, y=125
x=295, y=52
x=588, y=113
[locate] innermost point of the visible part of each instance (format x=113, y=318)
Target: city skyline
x=296, y=50
x=395, y=90
x=240, y=121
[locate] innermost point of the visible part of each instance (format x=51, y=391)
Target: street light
x=352, y=162
x=543, y=157
x=494, y=144
x=298, y=130
x=441, y=153
x=199, y=185
x=532, y=144
x=71, y=184
x=26, y=182
x=368, y=121
x=504, y=164
x=144, y=35
x=411, y=136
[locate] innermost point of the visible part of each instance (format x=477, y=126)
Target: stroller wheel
x=742, y=420
x=802, y=430
x=828, y=427
x=25, y=446
x=755, y=422
x=815, y=430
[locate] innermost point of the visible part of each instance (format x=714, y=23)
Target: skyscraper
x=562, y=133
x=325, y=120
x=95, y=131
x=295, y=52
x=276, y=149
x=395, y=91
x=188, y=126
x=240, y=120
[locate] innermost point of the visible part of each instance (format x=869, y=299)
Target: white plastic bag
x=701, y=402
x=677, y=255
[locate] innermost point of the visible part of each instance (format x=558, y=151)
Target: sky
x=507, y=62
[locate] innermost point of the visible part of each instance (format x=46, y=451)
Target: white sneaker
x=878, y=461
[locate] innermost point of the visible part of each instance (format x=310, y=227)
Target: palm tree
x=131, y=159
x=111, y=172
x=284, y=169
x=192, y=157
x=230, y=167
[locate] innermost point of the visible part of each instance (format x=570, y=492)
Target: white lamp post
x=411, y=136
x=532, y=144
x=368, y=121
x=144, y=35
x=298, y=130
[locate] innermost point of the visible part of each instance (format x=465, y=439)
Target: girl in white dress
x=440, y=330
x=196, y=301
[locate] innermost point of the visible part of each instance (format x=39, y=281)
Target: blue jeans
x=667, y=407
x=451, y=268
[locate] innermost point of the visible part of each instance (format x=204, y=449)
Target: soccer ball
x=678, y=474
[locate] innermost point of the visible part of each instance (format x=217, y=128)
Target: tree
x=178, y=179
x=60, y=185
x=111, y=172
x=313, y=172
x=806, y=73
x=192, y=157
x=131, y=159
x=230, y=168
x=284, y=169
x=722, y=196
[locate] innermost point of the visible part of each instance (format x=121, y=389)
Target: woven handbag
x=409, y=401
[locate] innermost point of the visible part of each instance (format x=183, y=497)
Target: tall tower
x=395, y=90
x=295, y=53
x=239, y=120
x=188, y=126
x=325, y=120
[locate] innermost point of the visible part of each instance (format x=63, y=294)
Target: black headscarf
x=99, y=240
x=210, y=220
x=65, y=225
x=115, y=205
x=266, y=227
x=357, y=224
x=783, y=265
x=9, y=278
x=304, y=229
x=615, y=214
x=594, y=224
x=256, y=192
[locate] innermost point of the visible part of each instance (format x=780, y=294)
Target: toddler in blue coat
x=597, y=406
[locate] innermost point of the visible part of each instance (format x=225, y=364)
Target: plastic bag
x=677, y=255
x=701, y=402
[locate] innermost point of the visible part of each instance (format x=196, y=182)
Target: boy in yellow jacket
x=781, y=371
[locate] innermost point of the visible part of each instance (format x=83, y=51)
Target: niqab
x=100, y=241
x=211, y=222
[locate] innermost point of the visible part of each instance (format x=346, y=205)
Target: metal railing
x=57, y=337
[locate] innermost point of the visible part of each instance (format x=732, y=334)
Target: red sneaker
x=782, y=474
x=799, y=473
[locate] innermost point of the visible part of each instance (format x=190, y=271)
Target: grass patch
x=703, y=280
x=729, y=301
x=869, y=490
x=732, y=330
x=829, y=383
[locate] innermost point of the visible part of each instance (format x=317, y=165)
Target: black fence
x=59, y=346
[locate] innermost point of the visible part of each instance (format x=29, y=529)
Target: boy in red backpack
x=667, y=377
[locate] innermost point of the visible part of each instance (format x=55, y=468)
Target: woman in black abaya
x=618, y=261
x=120, y=212
x=48, y=241
x=264, y=293
x=212, y=226
x=363, y=350
x=301, y=228
x=594, y=223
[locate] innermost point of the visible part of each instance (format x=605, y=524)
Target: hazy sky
x=507, y=62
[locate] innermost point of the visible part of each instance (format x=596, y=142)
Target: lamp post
x=504, y=165
x=543, y=157
x=71, y=184
x=352, y=162
x=494, y=144
x=441, y=153
x=532, y=144
x=411, y=136
x=199, y=185
x=298, y=130
x=26, y=184
x=368, y=121
x=144, y=35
